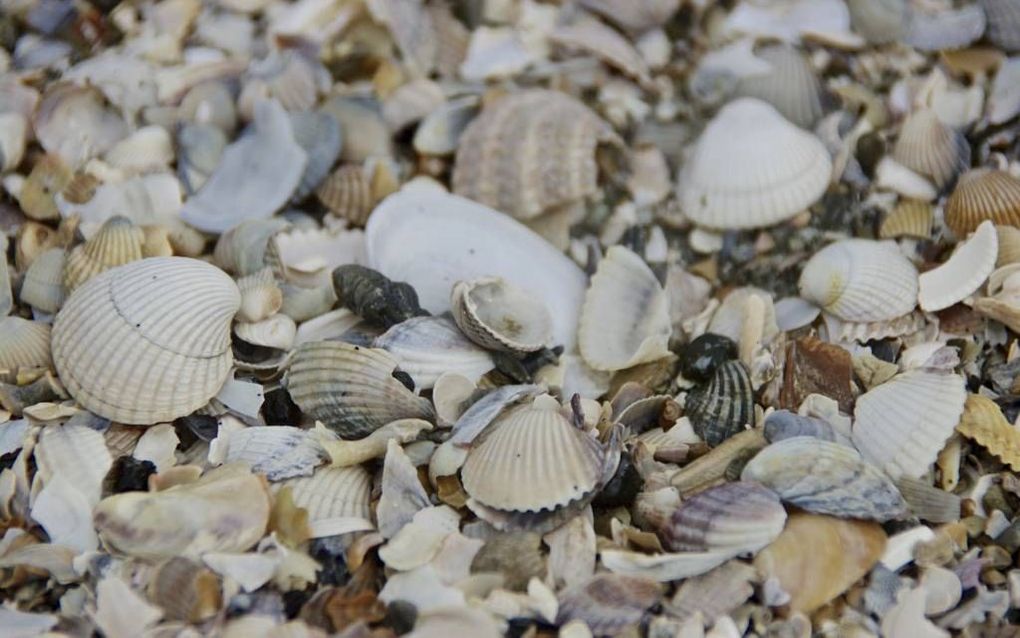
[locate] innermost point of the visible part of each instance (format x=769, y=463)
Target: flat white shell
x=331, y=495
x=963, y=273
x=426, y=347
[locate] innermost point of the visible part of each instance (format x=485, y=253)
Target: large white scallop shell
x=791, y=86
x=500, y=316
x=901, y=425
x=148, y=341
x=752, y=168
x=860, y=280
x=426, y=347
x=963, y=273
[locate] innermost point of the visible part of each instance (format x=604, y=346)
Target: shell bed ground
x=544, y=318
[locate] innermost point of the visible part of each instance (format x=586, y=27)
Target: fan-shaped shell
x=276, y=332
x=48, y=177
x=589, y=35
x=931, y=148
x=723, y=406
x=347, y=194
x=351, y=389
x=625, y=317
x=734, y=517
x=879, y=21
x=963, y=273
x=1003, y=28
x=910, y=218
x=530, y=152
x=752, y=168
x=533, y=459
x=1009, y=245
x=24, y=344
x=242, y=249
x=333, y=493
x=860, y=280
x=117, y=242
x=945, y=29
x=260, y=296
x=500, y=316
x=982, y=194
x=147, y=342
x=426, y=347
x=791, y=86
x=318, y=133
x=901, y=425
x=43, y=286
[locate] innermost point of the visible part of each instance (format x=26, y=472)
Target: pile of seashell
x=642, y=318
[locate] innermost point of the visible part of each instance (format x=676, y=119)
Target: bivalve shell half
x=901, y=425
x=825, y=478
x=945, y=29
x=734, y=517
x=117, y=242
x=347, y=194
x=984, y=422
x=792, y=86
x=1009, y=246
x=983, y=194
x=625, y=317
x=260, y=296
x=879, y=21
x=427, y=347
x=242, y=249
x=497, y=315
x=43, y=285
x=963, y=273
x=331, y=495
x=276, y=332
x=931, y=148
x=24, y=344
x=752, y=168
x=147, y=342
x=860, y=280
x=48, y=177
x=1003, y=28
x=910, y=218
x=351, y=389
x=722, y=407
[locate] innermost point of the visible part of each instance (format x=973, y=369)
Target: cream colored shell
x=910, y=218
x=24, y=344
x=117, y=242
x=497, y=315
x=963, y=273
x=260, y=296
x=332, y=494
x=427, y=347
x=791, y=86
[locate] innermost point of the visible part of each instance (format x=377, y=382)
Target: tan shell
x=333, y=493
x=260, y=296
x=910, y=218
x=147, y=342
x=43, y=285
x=24, y=344
x=156, y=242
x=185, y=590
x=49, y=176
x=792, y=86
x=1003, y=27
x=82, y=188
x=497, y=315
x=117, y=242
x=982, y=194
x=1009, y=246
x=347, y=193
x=984, y=422
x=530, y=152
x=930, y=148
x=962, y=274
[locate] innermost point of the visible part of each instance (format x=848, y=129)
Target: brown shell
x=530, y=152
x=910, y=218
x=49, y=176
x=984, y=422
x=983, y=194
x=1009, y=245
x=347, y=193
x=185, y=590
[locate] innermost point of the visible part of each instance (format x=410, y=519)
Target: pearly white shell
x=963, y=273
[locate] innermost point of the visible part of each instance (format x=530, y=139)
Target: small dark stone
x=403, y=378
x=523, y=369
x=401, y=616
x=329, y=553
x=294, y=600
x=623, y=487
x=279, y=409
x=131, y=474
x=373, y=297
x=700, y=358
x=196, y=427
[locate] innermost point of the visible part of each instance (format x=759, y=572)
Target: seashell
x=860, y=280
x=347, y=193
x=588, y=35
x=791, y=85
x=984, y=422
x=374, y=297
x=260, y=296
x=156, y=241
x=734, y=517
x=1003, y=29
x=307, y=256
x=910, y=218
x=499, y=316
x=200, y=148
x=983, y=194
x=1009, y=246
x=256, y=175
x=277, y=331
x=410, y=102
x=165, y=314
x=963, y=273
x=185, y=590
x=410, y=26
x=930, y=148
x=146, y=150
x=715, y=594
x=635, y=17
x=363, y=129
x=407, y=241
x=783, y=424
x=209, y=103
x=77, y=454
x=901, y=425
x=351, y=389
x=286, y=76
x=555, y=133
x=608, y=604
x=929, y=503
x=331, y=495
x=301, y=304
x=625, y=317
x=24, y=344
x=43, y=285
x=879, y=21
x=440, y=132
x=13, y=135
x=117, y=242
x=49, y=176
x=427, y=347
x=241, y=250
x=749, y=142
x=891, y=175
x=724, y=406
x=76, y=123
x=318, y=134
x=278, y=452
x=944, y=29
x=825, y=478
x=1004, y=98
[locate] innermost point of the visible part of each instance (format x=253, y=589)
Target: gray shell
x=723, y=406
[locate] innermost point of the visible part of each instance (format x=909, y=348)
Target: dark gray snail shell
x=722, y=407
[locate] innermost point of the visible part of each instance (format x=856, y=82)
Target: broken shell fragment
x=792, y=86
x=347, y=193
x=427, y=347
x=260, y=296
x=734, y=517
x=983, y=421
x=43, y=286
x=332, y=496
x=983, y=194
x=931, y=148
x=24, y=344
x=910, y=218
x=186, y=590
x=963, y=273
x=499, y=316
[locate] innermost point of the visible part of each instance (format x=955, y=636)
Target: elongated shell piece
x=738, y=517
x=825, y=478
x=983, y=194
x=351, y=389
x=752, y=168
x=426, y=347
x=963, y=273
x=792, y=86
x=723, y=406
x=910, y=218
x=147, y=342
x=117, y=242
x=625, y=317
x=497, y=315
x=901, y=425
x=984, y=422
x=931, y=148
x=318, y=133
x=24, y=344
x=860, y=280
x=1003, y=28
x=43, y=286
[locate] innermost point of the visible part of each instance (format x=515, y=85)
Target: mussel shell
x=723, y=406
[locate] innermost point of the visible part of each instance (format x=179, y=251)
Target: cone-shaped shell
x=318, y=133
x=983, y=194
x=792, y=86
x=625, y=317
x=738, y=517
x=723, y=406
x=533, y=459
x=910, y=218
x=752, y=168
x=117, y=242
x=347, y=193
x=963, y=272
x=43, y=286
x=825, y=478
x=1003, y=28
x=931, y=148
x=860, y=280
x=351, y=389
x=901, y=425
x=984, y=422
x=24, y=344
x=147, y=342
x=497, y=315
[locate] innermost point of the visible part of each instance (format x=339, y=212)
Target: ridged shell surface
x=738, y=517
x=242, y=249
x=497, y=315
x=910, y=218
x=860, y=280
x=260, y=296
x=984, y=422
x=24, y=344
x=825, y=478
x=532, y=460
x=792, y=86
x=945, y=29
x=901, y=425
x=625, y=317
x=608, y=603
x=879, y=21
x=333, y=493
x=148, y=341
x=723, y=406
x=117, y=242
x=43, y=286
x=752, y=168
x=931, y=148
x=347, y=193
x=426, y=347
x=635, y=16
x=530, y=152
x=983, y=194
x=963, y=273
x=1003, y=28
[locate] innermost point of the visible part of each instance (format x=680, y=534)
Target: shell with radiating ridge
x=741, y=517
x=43, y=285
x=242, y=249
x=117, y=242
x=288, y=76
x=532, y=459
x=910, y=218
x=48, y=177
x=318, y=133
x=963, y=273
x=147, y=342
x=724, y=405
x=427, y=347
x=931, y=148
x=860, y=280
x=24, y=344
x=331, y=493
x=625, y=317
x=497, y=315
x=879, y=21
x=982, y=194
x=901, y=425
x=607, y=604
x=792, y=86
x=1003, y=28
x=635, y=16
x=347, y=193
x=260, y=296
x=530, y=152
x=984, y=422
x=945, y=29
x=752, y=168
x=1009, y=245
x=351, y=389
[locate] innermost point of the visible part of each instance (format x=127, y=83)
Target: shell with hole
x=497, y=315
x=76, y=122
x=426, y=347
x=983, y=194
x=930, y=148
x=724, y=405
x=860, y=280
x=963, y=273
x=752, y=168
x=117, y=242
x=43, y=285
x=147, y=342
x=740, y=517
x=24, y=344
x=1009, y=246
x=636, y=17
x=791, y=86
x=318, y=134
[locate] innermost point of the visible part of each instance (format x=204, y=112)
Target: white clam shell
x=500, y=316
x=427, y=347
x=963, y=273
x=625, y=318
x=945, y=29
x=791, y=85
x=43, y=285
x=277, y=331
x=148, y=341
x=752, y=168
x=860, y=280
x=901, y=425
x=24, y=344
x=331, y=495
x=260, y=296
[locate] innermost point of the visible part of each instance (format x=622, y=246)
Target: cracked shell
x=963, y=273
